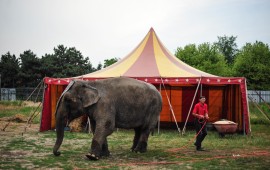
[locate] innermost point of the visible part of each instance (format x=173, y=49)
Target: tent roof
x=149, y=59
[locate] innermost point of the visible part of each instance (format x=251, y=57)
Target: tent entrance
x=224, y=102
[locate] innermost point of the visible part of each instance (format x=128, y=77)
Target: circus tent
x=179, y=84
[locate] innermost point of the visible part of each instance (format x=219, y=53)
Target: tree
x=205, y=57
x=227, y=47
x=9, y=69
x=109, y=62
x=30, y=69
x=99, y=66
x=49, y=65
x=253, y=62
x=188, y=54
x=66, y=62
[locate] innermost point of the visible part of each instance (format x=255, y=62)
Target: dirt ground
x=15, y=129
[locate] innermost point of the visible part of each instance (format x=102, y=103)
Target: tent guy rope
x=184, y=128
x=190, y=141
x=171, y=108
x=258, y=107
x=34, y=90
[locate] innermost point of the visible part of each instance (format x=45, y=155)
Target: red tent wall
x=51, y=95
x=215, y=102
x=45, y=121
x=174, y=94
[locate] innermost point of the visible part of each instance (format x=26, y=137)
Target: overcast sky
x=103, y=29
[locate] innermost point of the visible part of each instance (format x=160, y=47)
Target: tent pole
x=244, y=125
x=249, y=125
x=201, y=90
x=159, y=114
x=170, y=106
x=184, y=128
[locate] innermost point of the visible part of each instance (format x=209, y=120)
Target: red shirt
x=200, y=109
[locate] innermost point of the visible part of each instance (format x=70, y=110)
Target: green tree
x=9, y=69
x=30, y=69
x=228, y=47
x=188, y=54
x=66, y=62
x=253, y=62
x=205, y=57
x=49, y=65
x=109, y=62
x=99, y=67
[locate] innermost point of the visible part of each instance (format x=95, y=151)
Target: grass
x=166, y=150
x=13, y=108
x=257, y=117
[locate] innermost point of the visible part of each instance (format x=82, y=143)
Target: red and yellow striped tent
x=178, y=83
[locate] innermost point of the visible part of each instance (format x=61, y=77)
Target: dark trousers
x=198, y=125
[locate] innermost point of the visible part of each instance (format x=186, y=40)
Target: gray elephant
x=110, y=103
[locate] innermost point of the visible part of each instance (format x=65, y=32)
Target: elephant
x=110, y=103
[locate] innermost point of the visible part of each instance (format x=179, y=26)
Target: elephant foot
x=105, y=153
x=132, y=149
x=141, y=147
x=139, y=150
x=92, y=157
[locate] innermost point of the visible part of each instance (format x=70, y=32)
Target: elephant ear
x=69, y=97
x=90, y=96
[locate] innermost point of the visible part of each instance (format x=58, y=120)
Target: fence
x=21, y=94
x=259, y=96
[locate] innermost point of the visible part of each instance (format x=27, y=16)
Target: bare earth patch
x=31, y=104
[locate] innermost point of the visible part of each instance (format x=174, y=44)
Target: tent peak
x=150, y=59
x=151, y=29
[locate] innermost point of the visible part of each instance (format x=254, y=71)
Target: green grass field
x=167, y=150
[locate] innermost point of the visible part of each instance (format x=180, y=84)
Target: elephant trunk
x=60, y=125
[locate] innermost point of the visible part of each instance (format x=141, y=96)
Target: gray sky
x=103, y=29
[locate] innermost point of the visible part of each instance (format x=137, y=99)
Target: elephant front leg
x=99, y=146
x=105, y=150
x=95, y=151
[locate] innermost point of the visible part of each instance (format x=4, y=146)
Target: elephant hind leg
x=141, y=147
x=136, y=138
x=142, y=144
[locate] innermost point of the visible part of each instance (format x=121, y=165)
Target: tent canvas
x=151, y=62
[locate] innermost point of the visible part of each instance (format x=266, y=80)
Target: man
x=200, y=112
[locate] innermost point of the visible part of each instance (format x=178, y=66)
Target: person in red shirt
x=200, y=112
